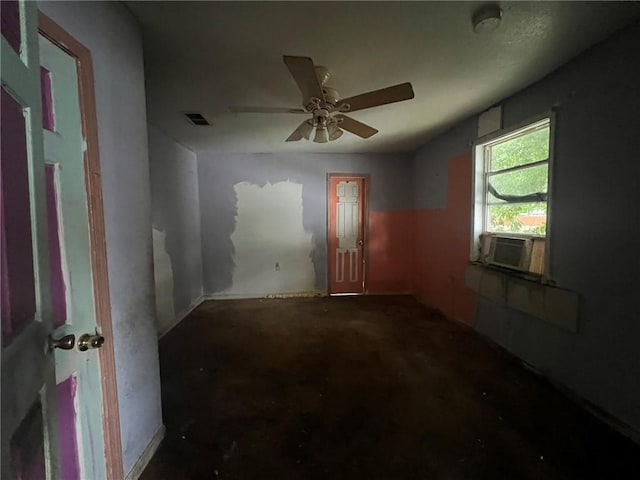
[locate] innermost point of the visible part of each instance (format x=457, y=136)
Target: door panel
x=347, y=196
x=10, y=21
x=58, y=282
x=47, y=100
x=29, y=434
x=18, y=279
x=68, y=439
x=27, y=446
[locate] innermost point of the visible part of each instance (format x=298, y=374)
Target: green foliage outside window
x=527, y=148
x=529, y=217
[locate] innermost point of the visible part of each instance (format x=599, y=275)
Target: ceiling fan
x=327, y=109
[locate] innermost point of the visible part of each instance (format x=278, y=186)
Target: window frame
x=479, y=197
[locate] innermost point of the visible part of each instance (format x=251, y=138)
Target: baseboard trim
x=448, y=316
x=182, y=315
x=246, y=296
x=600, y=413
x=389, y=293
x=147, y=455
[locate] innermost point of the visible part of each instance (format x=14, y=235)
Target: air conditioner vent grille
x=196, y=119
x=508, y=251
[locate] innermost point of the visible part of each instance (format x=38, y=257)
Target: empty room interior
x=313, y=240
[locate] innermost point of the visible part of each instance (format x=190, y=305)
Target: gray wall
x=430, y=164
x=595, y=223
x=390, y=189
x=112, y=35
x=176, y=223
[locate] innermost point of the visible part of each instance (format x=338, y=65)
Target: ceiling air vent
x=197, y=119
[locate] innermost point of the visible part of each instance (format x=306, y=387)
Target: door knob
x=65, y=343
x=86, y=341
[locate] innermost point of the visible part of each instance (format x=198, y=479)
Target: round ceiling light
x=486, y=19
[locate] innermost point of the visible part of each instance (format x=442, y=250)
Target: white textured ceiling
x=206, y=56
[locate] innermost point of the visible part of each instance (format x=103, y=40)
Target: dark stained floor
x=364, y=388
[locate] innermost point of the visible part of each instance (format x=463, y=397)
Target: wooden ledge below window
x=555, y=305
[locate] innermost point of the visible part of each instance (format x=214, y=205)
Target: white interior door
x=346, y=234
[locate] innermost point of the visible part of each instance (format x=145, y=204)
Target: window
x=511, y=197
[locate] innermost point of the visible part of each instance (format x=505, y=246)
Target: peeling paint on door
x=272, y=249
x=163, y=273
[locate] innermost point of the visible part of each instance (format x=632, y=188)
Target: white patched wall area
x=272, y=251
x=163, y=273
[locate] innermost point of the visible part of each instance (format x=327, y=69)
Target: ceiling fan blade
x=397, y=93
x=266, y=110
x=294, y=137
x=304, y=73
x=354, y=126
x=303, y=131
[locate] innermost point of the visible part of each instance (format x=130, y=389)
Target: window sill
x=526, y=293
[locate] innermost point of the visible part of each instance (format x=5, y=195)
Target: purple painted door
x=67, y=378
x=52, y=409
x=28, y=370
x=78, y=373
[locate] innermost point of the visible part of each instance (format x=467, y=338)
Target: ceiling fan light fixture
x=306, y=129
x=321, y=135
x=334, y=131
x=486, y=18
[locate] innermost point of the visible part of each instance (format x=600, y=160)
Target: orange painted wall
x=425, y=252
x=390, y=252
x=442, y=247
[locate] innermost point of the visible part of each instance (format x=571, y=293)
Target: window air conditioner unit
x=509, y=252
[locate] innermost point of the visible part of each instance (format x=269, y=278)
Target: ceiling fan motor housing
x=320, y=116
x=330, y=95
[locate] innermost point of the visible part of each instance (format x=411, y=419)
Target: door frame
x=106, y=354
x=365, y=226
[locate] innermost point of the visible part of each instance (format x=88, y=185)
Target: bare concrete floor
x=364, y=388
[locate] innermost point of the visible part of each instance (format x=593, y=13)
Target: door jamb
x=106, y=355
x=365, y=224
